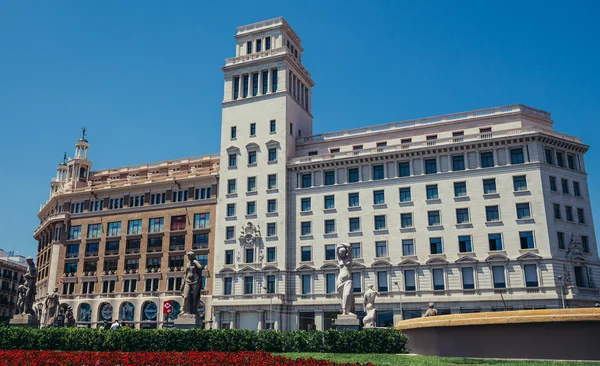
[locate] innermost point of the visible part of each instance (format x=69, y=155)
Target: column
x=233, y=315
x=277, y=320
x=319, y=320
x=526, y=154
x=450, y=165
x=217, y=321
x=261, y=321
x=423, y=165
x=269, y=80
x=478, y=157
x=495, y=155
x=507, y=150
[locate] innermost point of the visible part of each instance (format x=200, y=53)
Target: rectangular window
x=487, y=159
x=405, y=195
x=272, y=181
x=560, y=161
x=229, y=256
x=251, y=184
x=378, y=197
x=549, y=156
x=236, y=90
x=381, y=249
x=580, y=276
x=330, y=252
x=464, y=244
x=306, y=204
x=271, y=229
x=265, y=82
x=571, y=162
x=499, y=279
x=249, y=255
x=271, y=254
x=435, y=246
x=565, y=186
x=178, y=223
x=251, y=157
x=516, y=156
x=330, y=178
x=271, y=284
x=354, y=223
x=231, y=186
x=357, y=147
x=433, y=218
x=569, y=212
x=489, y=186
x=306, y=254
x=202, y=220
x=382, y=281
x=254, y=84
x=408, y=247
x=134, y=227
x=329, y=202
x=272, y=206
x=406, y=220
x=560, y=236
x=251, y=208
x=531, y=278
x=523, y=211
x=495, y=241
x=580, y=216
x=468, y=279
x=230, y=209
x=458, y=162
x=273, y=154
x=404, y=169
x=353, y=175
x=526, y=239
x=520, y=183
x=249, y=47
x=380, y=222
x=585, y=243
x=409, y=280
x=232, y=160
x=91, y=250
x=353, y=200
x=329, y=226
x=94, y=231
x=378, y=172
x=227, y=285
x=75, y=232
x=252, y=129
x=112, y=247
x=430, y=166
x=248, y=284
x=557, y=212
x=272, y=125
x=306, y=180
x=438, y=279
x=356, y=282
x=73, y=251
x=492, y=213
x=274, y=80
x=356, y=251
x=305, y=228
x=229, y=232
x=576, y=190
x=432, y=192
x=245, y=86
x=305, y=284
x=460, y=189
x=553, y=184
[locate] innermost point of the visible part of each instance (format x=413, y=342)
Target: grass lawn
x=384, y=359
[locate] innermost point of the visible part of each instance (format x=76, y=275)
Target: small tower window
x=258, y=45
x=249, y=47
x=267, y=43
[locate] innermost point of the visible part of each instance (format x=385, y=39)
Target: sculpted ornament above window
x=250, y=234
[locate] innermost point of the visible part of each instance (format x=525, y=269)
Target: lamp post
x=270, y=306
x=562, y=297
x=400, y=296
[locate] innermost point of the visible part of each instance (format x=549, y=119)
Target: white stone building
x=475, y=211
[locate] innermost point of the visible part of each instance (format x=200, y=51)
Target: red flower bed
x=34, y=358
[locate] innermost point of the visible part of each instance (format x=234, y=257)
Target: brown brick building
x=114, y=241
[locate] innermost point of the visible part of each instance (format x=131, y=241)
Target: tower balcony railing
x=429, y=143
x=255, y=56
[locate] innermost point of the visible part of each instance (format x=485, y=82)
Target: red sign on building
x=168, y=307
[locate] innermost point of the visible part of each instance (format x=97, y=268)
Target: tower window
x=249, y=47
x=267, y=43
x=265, y=82
x=258, y=45
x=236, y=87
x=273, y=127
x=274, y=80
x=255, y=84
x=245, y=86
x=233, y=132
x=252, y=129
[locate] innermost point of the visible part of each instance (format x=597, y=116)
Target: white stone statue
x=369, y=305
x=51, y=304
x=344, y=279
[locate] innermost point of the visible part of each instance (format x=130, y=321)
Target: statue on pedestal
x=369, y=305
x=30, y=291
x=51, y=305
x=344, y=279
x=432, y=311
x=192, y=284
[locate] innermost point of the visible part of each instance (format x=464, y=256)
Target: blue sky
x=144, y=76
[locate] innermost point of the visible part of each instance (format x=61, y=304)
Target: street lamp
x=400, y=296
x=271, y=306
x=562, y=297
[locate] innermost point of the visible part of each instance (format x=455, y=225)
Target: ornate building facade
x=114, y=241
x=12, y=268
x=477, y=211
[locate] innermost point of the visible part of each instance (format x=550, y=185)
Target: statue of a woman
x=51, y=303
x=369, y=306
x=192, y=284
x=344, y=279
x=30, y=278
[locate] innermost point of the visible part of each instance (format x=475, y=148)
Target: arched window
x=149, y=311
x=105, y=312
x=126, y=312
x=84, y=314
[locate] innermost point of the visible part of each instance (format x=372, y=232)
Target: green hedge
x=84, y=339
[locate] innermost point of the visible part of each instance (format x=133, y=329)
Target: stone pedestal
x=25, y=320
x=347, y=322
x=185, y=322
